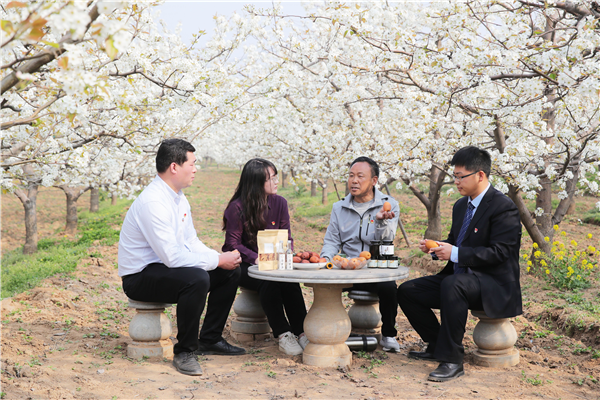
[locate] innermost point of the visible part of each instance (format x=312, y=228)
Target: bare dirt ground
x=67, y=339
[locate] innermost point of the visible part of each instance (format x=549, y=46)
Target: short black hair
x=371, y=162
x=172, y=151
x=473, y=159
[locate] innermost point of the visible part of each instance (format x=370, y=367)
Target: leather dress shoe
x=421, y=355
x=221, y=348
x=446, y=371
x=187, y=364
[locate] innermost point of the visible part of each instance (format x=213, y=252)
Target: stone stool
x=250, y=322
x=149, y=329
x=364, y=314
x=495, y=339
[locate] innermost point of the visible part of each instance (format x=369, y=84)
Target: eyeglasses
x=274, y=179
x=460, y=178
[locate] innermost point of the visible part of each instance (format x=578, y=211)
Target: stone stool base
x=495, y=339
x=250, y=322
x=364, y=314
x=150, y=329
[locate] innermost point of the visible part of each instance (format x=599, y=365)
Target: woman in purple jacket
x=255, y=206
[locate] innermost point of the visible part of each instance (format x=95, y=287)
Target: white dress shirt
x=476, y=201
x=158, y=228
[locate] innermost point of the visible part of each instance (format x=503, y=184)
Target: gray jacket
x=350, y=233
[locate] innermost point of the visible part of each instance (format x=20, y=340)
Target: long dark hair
x=251, y=192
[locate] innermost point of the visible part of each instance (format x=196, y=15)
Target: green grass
x=592, y=216
x=21, y=272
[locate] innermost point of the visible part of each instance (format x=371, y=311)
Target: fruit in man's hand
x=366, y=255
x=387, y=206
x=430, y=244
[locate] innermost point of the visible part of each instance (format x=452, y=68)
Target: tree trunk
x=282, y=180
x=434, y=214
x=73, y=194
x=29, y=201
x=313, y=189
x=94, y=200
x=113, y=199
x=324, y=192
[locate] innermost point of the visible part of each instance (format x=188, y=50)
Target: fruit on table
x=322, y=260
x=366, y=255
x=314, y=259
x=305, y=262
x=306, y=257
x=430, y=244
x=297, y=259
x=387, y=206
x=344, y=262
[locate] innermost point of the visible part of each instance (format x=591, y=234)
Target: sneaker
x=221, y=348
x=288, y=344
x=303, y=341
x=389, y=344
x=187, y=364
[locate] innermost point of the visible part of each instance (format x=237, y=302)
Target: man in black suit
x=482, y=272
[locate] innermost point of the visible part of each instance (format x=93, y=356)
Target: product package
x=267, y=243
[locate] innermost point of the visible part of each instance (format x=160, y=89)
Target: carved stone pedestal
x=364, y=314
x=327, y=327
x=149, y=330
x=250, y=322
x=495, y=339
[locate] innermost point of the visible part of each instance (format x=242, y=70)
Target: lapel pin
x=273, y=223
x=475, y=230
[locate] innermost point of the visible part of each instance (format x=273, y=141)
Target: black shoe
x=421, y=355
x=221, y=348
x=446, y=371
x=187, y=364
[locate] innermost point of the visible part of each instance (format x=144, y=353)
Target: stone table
x=327, y=325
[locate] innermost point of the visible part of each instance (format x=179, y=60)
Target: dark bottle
x=374, y=250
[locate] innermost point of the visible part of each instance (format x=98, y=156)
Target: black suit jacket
x=491, y=249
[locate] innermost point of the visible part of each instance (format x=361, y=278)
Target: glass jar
x=374, y=250
x=393, y=262
x=386, y=248
x=383, y=261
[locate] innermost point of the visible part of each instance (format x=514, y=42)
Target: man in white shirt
x=162, y=260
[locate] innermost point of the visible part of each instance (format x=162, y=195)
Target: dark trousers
x=188, y=287
x=453, y=295
x=274, y=298
x=388, y=305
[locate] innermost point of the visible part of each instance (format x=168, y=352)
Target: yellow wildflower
x=544, y=264
x=584, y=262
x=577, y=253
x=555, y=227
x=573, y=243
x=537, y=254
x=525, y=256
x=563, y=233
x=548, y=271
x=547, y=239
x=535, y=245
x=529, y=263
x=591, y=249
x=578, y=277
x=528, y=269
x=589, y=236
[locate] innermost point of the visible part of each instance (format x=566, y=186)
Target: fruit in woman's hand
x=366, y=255
x=387, y=206
x=297, y=260
x=314, y=259
x=430, y=244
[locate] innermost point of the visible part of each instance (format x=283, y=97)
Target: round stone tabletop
x=332, y=276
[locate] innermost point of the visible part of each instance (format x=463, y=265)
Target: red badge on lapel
x=475, y=230
x=273, y=223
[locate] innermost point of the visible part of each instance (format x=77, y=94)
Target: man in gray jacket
x=355, y=222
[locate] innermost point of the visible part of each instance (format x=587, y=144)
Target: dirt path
x=67, y=340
